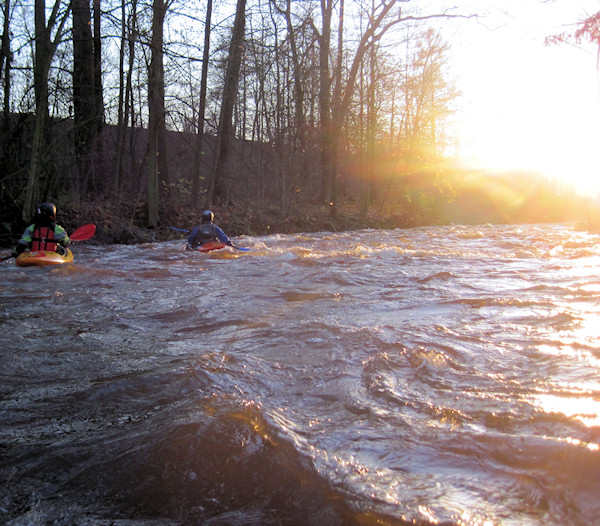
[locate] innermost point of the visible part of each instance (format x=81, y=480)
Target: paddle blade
x=83, y=232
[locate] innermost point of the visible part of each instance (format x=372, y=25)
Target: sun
x=529, y=106
x=551, y=126
x=566, y=159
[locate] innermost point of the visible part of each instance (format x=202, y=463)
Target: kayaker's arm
x=191, y=240
x=222, y=237
x=61, y=236
x=24, y=242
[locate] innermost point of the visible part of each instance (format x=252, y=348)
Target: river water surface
x=424, y=376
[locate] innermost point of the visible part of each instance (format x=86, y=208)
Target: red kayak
x=211, y=245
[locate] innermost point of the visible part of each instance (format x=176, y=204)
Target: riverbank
x=116, y=226
x=125, y=221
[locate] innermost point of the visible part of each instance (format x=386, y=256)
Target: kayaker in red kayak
x=206, y=232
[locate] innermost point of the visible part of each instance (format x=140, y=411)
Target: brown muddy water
x=426, y=376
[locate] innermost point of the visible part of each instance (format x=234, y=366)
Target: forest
x=278, y=115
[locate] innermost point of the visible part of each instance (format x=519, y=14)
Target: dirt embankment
x=126, y=225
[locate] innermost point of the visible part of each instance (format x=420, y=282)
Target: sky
x=524, y=104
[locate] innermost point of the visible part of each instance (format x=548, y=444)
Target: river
x=443, y=375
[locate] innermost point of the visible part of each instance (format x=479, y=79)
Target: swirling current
x=443, y=375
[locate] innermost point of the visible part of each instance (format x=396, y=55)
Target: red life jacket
x=42, y=239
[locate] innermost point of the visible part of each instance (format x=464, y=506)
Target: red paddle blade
x=83, y=232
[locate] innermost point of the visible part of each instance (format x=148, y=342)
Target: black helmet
x=46, y=211
x=208, y=216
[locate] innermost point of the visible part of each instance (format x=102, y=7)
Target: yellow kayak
x=42, y=258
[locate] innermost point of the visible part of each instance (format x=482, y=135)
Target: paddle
x=83, y=233
x=241, y=249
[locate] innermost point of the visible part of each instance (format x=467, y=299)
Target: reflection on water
x=424, y=376
x=585, y=409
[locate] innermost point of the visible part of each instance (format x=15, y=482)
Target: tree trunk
x=325, y=99
x=97, y=153
x=41, y=66
x=121, y=115
x=225, y=135
x=371, y=131
x=84, y=91
x=336, y=117
x=299, y=160
x=44, y=52
x=99, y=90
x=5, y=67
x=128, y=32
x=362, y=139
x=6, y=59
x=342, y=101
x=197, y=176
x=157, y=153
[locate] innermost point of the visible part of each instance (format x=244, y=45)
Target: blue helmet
x=208, y=216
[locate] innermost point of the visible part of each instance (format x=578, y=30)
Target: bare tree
x=157, y=149
x=99, y=105
x=86, y=99
x=216, y=187
x=588, y=29
x=6, y=58
x=296, y=111
x=5, y=70
x=197, y=175
x=427, y=95
x=380, y=21
x=326, y=132
x=125, y=110
x=45, y=49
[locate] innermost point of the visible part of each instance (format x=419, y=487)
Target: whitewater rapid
x=443, y=375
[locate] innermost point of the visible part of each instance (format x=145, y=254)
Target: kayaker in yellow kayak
x=43, y=233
